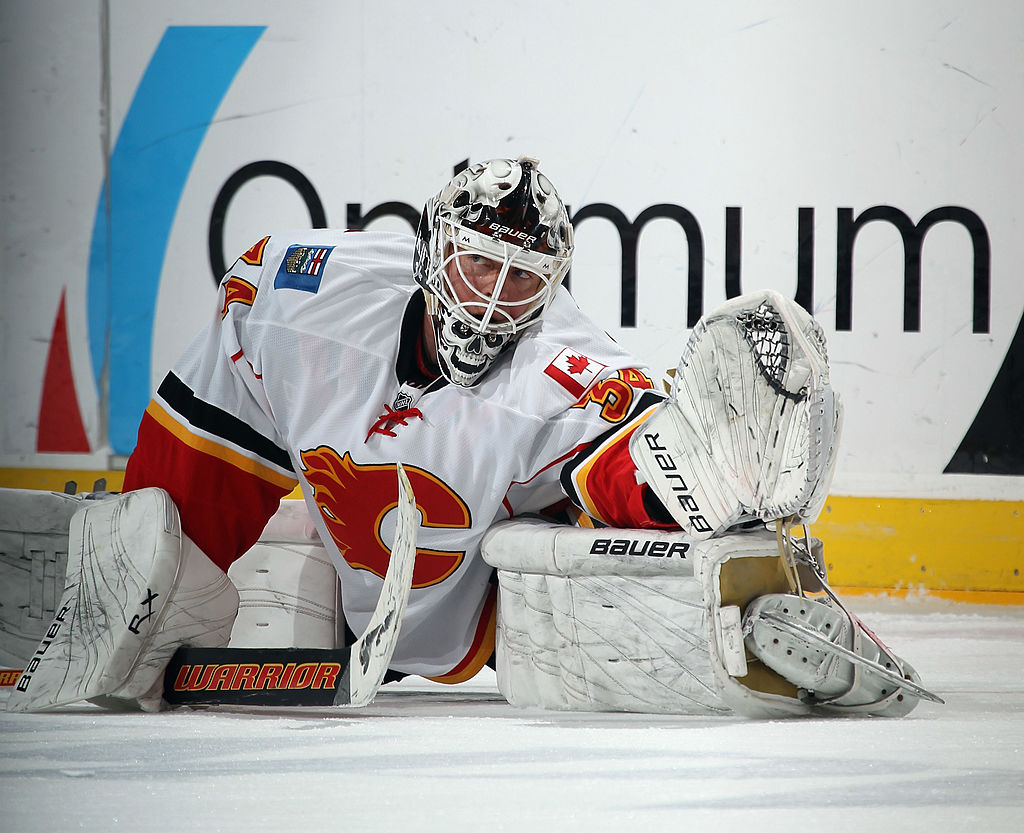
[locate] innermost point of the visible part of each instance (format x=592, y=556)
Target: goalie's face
x=493, y=292
x=480, y=312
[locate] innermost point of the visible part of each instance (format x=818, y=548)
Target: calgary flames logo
x=354, y=500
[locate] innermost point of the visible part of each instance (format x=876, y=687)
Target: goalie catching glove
x=751, y=425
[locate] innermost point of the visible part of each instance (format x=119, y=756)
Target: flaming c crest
x=354, y=499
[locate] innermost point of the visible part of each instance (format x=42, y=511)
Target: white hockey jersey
x=308, y=375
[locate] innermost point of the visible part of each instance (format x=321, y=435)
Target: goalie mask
x=491, y=249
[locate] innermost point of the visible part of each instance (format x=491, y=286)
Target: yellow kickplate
x=946, y=546
x=53, y=480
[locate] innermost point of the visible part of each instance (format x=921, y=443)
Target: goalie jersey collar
x=415, y=376
x=411, y=366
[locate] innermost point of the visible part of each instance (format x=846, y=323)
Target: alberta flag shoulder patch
x=574, y=371
x=302, y=268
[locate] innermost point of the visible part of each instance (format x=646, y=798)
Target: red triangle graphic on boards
x=60, y=419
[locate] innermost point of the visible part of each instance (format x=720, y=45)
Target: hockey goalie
x=602, y=545
x=731, y=614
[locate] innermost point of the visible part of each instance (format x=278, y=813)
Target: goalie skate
x=835, y=661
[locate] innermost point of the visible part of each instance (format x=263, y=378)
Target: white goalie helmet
x=508, y=212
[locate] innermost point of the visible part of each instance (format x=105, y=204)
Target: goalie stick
x=347, y=676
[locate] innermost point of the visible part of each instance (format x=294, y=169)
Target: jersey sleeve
x=208, y=436
x=581, y=469
x=602, y=480
x=602, y=483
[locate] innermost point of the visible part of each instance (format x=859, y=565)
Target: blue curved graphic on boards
x=176, y=100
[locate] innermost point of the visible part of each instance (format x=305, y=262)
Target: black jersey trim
x=408, y=365
x=220, y=423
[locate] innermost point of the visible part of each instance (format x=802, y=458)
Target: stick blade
x=371, y=653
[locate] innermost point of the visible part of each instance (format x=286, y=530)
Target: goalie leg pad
x=735, y=570
x=790, y=665
x=603, y=643
x=599, y=620
x=287, y=596
x=137, y=588
x=526, y=642
x=33, y=559
x=633, y=633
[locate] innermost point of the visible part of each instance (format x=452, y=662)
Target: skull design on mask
x=464, y=352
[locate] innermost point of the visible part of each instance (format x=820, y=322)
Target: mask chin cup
x=465, y=353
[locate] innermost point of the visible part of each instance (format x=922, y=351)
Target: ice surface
x=425, y=757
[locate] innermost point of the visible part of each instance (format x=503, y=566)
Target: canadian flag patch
x=574, y=371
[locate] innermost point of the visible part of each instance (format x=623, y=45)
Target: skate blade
x=789, y=625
